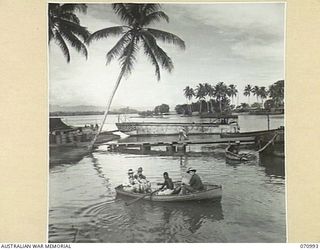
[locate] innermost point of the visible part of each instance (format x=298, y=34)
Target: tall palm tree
x=189, y=93
x=64, y=27
x=200, y=94
x=263, y=93
x=208, y=89
x=233, y=91
x=276, y=92
x=247, y=92
x=211, y=94
x=221, y=91
x=256, y=92
x=134, y=34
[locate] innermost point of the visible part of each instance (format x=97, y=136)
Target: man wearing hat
x=130, y=177
x=139, y=174
x=234, y=148
x=195, y=183
x=131, y=184
x=144, y=184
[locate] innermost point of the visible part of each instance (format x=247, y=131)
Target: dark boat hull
x=212, y=192
x=272, y=144
x=250, y=134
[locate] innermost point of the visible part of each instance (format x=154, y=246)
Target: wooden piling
x=174, y=146
x=145, y=147
x=171, y=148
x=181, y=148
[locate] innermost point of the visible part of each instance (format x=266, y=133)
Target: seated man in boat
x=195, y=183
x=234, y=148
x=132, y=183
x=144, y=184
x=237, y=147
x=167, y=187
x=139, y=174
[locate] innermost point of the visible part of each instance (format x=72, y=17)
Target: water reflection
x=168, y=220
x=274, y=166
x=97, y=167
x=66, y=155
x=195, y=214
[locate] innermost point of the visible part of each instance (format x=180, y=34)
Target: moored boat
x=70, y=144
x=272, y=146
x=252, y=133
x=235, y=157
x=268, y=142
x=211, y=192
x=63, y=135
x=225, y=125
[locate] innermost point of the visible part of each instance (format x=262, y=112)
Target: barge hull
x=175, y=128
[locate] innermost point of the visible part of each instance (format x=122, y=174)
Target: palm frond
x=155, y=17
x=70, y=17
x=74, y=28
x=151, y=7
x=51, y=35
x=74, y=41
x=64, y=26
x=161, y=56
x=128, y=57
x=167, y=37
x=68, y=7
x=135, y=10
x=50, y=29
x=124, y=12
x=149, y=52
x=62, y=44
x=52, y=7
x=118, y=48
x=165, y=60
x=104, y=33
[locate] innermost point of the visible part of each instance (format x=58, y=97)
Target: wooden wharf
x=172, y=147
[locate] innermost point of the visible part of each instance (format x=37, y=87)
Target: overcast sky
x=237, y=43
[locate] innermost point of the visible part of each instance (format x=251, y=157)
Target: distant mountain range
x=91, y=108
x=79, y=108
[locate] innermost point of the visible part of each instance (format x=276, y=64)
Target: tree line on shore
x=219, y=98
x=158, y=110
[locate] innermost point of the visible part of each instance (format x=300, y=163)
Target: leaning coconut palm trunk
x=108, y=107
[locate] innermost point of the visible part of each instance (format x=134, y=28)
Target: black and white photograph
x=166, y=122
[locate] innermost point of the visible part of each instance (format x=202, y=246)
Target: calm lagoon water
x=83, y=206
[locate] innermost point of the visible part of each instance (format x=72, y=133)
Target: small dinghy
x=235, y=157
x=211, y=192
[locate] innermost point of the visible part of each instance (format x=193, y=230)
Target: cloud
x=241, y=16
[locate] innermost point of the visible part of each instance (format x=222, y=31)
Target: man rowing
x=232, y=152
x=167, y=186
x=234, y=148
x=195, y=183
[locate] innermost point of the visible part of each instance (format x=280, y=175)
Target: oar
x=133, y=201
x=174, y=182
